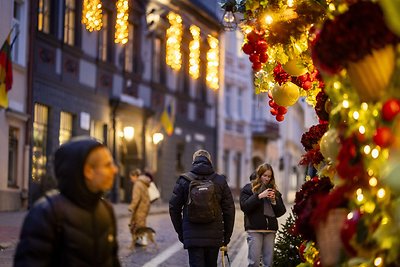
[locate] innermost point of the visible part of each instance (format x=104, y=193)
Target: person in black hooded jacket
x=202, y=240
x=74, y=227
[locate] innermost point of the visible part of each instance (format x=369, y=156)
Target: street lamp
x=228, y=19
x=129, y=133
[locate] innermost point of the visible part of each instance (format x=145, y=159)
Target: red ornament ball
x=383, y=136
x=390, y=109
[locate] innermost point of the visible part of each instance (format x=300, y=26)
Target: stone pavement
x=11, y=221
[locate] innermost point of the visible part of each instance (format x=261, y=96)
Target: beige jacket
x=140, y=204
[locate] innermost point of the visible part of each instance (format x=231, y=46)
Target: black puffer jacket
x=214, y=234
x=73, y=228
x=253, y=208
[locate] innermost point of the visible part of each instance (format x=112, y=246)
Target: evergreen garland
x=286, y=251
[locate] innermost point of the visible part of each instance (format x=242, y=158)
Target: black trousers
x=203, y=256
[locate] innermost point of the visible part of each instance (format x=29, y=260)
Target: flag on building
x=6, y=76
x=168, y=118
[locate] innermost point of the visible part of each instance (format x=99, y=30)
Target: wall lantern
x=129, y=133
x=157, y=138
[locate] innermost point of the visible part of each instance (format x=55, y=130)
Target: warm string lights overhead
x=92, y=15
x=194, y=52
x=121, y=25
x=212, y=63
x=174, y=39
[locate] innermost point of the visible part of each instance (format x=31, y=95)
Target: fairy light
x=336, y=85
x=381, y=193
x=360, y=196
x=378, y=261
x=364, y=106
x=356, y=115
x=212, y=63
x=290, y=3
x=92, y=15
x=373, y=181
x=121, y=25
x=375, y=153
x=268, y=19
x=367, y=149
x=194, y=52
x=385, y=220
x=369, y=207
x=370, y=172
x=361, y=129
x=174, y=39
x=345, y=103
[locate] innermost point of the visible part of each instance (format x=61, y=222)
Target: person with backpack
x=262, y=204
x=202, y=211
x=75, y=226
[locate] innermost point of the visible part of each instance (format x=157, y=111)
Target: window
x=65, y=127
x=239, y=104
x=158, y=74
x=12, y=157
x=97, y=130
x=69, y=22
x=228, y=104
x=128, y=64
x=44, y=16
x=103, y=40
x=39, y=153
x=17, y=17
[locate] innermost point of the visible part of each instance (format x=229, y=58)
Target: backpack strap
x=190, y=176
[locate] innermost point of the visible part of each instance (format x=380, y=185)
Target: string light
x=121, y=25
x=92, y=15
x=174, y=39
x=194, y=52
x=212, y=63
x=373, y=182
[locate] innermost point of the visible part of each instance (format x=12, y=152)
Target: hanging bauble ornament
x=370, y=76
x=329, y=145
x=285, y=95
x=294, y=67
x=383, y=136
x=390, y=109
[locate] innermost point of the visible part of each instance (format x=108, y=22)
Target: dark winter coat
x=213, y=234
x=253, y=208
x=74, y=228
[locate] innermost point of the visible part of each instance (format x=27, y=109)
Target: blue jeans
x=260, y=244
x=203, y=256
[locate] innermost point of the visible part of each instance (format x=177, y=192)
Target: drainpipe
x=29, y=99
x=114, y=102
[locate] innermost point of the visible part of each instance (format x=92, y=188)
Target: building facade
x=83, y=83
x=235, y=141
x=14, y=152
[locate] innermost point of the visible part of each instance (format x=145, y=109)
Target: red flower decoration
x=350, y=164
x=351, y=36
x=311, y=138
x=280, y=75
x=306, y=200
x=321, y=98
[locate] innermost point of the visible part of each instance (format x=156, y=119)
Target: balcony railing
x=265, y=129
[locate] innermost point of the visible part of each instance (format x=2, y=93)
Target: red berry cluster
x=280, y=75
x=276, y=110
x=306, y=81
x=256, y=48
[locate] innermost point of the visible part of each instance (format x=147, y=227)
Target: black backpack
x=202, y=203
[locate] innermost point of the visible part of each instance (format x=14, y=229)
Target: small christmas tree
x=286, y=252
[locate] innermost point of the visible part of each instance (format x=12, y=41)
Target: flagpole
x=15, y=38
